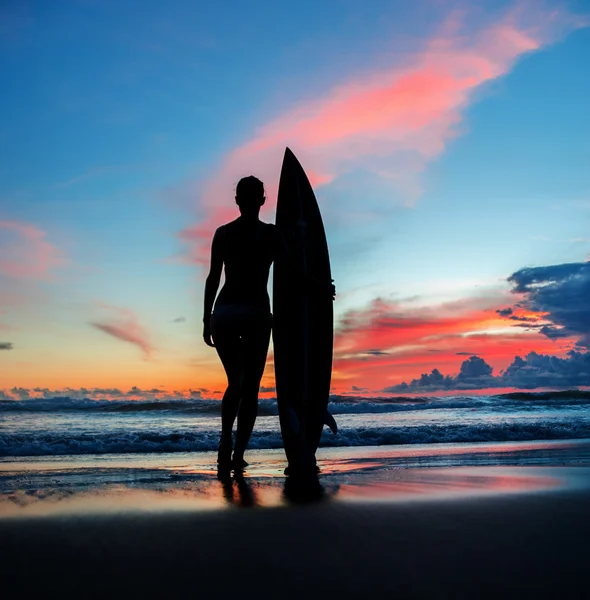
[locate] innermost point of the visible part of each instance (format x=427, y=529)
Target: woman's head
x=250, y=194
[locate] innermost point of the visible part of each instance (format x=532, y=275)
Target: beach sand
x=442, y=532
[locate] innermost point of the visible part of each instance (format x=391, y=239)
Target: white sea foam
x=65, y=426
x=64, y=442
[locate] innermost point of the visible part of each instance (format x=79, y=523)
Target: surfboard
x=303, y=318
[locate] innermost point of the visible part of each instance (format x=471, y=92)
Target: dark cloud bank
x=154, y=394
x=561, y=291
x=533, y=371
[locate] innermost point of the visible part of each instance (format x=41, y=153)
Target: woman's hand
x=323, y=286
x=329, y=288
x=207, y=335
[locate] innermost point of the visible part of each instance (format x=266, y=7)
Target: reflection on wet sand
x=239, y=490
x=455, y=482
x=206, y=492
x=188, y=482
x=246, y=495
x=305, y=490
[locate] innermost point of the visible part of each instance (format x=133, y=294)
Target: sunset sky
x=448, y=145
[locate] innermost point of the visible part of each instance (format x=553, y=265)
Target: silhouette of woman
x=239, y=325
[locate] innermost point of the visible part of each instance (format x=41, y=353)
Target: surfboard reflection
x=304, y=490
x=238, y=490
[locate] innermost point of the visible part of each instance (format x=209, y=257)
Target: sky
x=447, y=142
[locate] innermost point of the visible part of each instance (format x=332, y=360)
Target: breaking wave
x=72, y=443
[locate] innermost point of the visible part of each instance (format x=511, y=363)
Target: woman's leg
x=254, y=348
x=227, y=344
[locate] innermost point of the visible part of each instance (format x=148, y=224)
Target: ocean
x=72, y=427
x=63, y=454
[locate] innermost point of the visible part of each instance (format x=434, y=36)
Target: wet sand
x=499, y=532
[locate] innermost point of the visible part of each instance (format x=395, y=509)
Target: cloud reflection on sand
x=211, y=494
x=188, y=483
x=453, y=483
x=110, y=499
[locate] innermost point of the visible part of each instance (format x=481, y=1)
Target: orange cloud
x=391, y=122
x=386, y=343
x=124, y=325
x=25, y=253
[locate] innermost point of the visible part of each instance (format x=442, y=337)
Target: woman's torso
x=248, y=248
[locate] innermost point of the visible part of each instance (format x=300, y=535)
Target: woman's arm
x=212, y=285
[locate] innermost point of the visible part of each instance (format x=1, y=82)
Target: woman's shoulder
x=269, y=228
x=219, y=233
x=227, y=228
x=238, y=229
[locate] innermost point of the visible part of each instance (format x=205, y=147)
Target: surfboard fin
x=330, y=422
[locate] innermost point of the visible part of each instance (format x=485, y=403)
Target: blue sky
x=128, y=123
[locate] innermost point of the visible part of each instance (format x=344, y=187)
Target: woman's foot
x=224, y=449
x=238, y=463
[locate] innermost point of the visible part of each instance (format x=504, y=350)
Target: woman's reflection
x=246, y=496
x=296, y=490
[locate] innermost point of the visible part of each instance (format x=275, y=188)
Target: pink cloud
x=124, y=325
x=391, y=122
x=25, y=253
